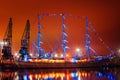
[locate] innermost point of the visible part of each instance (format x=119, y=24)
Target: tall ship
x=61, y=55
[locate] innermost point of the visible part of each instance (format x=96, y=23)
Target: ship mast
x=39, y=37
x=64, y=36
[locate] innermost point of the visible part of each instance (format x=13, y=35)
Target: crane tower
x=7, y=46
x=24, y=51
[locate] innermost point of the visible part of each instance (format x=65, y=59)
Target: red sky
x=104, y=15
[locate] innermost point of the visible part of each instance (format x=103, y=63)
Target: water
x=61, y=74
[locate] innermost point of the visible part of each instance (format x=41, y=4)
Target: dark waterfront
x=62, y=74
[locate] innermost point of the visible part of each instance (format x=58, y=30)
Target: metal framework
x=25, y=41
x=7, y=47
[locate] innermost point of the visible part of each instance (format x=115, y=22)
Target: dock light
x=61, y=55
x=25, y=77
x=26, y=58
x=56, y=55
x=3, y=43
x=73, y=74
x=46, y=56
x=31, y=54
x=67, y=55
x=73, y=60
x=16, y=54
x=77, y=50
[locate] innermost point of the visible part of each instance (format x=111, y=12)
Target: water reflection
x=62, y=74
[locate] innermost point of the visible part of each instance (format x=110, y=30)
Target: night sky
x=104, y=15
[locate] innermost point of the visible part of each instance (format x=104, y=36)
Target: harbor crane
x=7, y=40
x=24, y=50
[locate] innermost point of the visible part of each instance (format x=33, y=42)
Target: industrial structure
x=7, y=40
x=25, y=42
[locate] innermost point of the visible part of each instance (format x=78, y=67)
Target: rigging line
x=97, y=34
x=59, y=15
x=45, y=38
x=96, y=41
x=94, y=51
x=6, y=32
x=34, y=21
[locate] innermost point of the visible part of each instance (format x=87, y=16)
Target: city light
x=67, y=55
x=61, y=55
x=31, y=54
x=56, y=55
x=3, y=43
x=77, y=50
x=26, y=58
x=16, y=54
x=73, y=60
